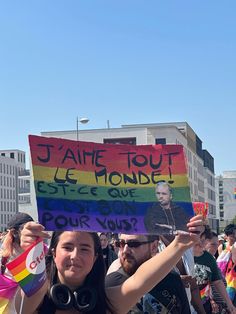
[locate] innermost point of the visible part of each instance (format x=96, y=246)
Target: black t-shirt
x=168, y=296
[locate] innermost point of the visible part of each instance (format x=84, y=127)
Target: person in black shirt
x=108, y=254
x=168, y=296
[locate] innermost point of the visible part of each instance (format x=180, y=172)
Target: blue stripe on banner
x=105, y=216
x=102, y=207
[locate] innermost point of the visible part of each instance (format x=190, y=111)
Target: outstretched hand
x=195, y=228
x=196, y=224
x=30, y=233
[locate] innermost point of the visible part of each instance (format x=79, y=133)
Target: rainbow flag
x=230, y=278
x=205, y=293
x=28, y=269
x=235, y=193
x=103, y=187
x=8, y=289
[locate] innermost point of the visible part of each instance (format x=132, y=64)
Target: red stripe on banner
x=87, y=156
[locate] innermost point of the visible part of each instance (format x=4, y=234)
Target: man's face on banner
x=163, y=194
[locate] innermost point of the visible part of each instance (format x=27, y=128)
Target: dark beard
x=130, y=266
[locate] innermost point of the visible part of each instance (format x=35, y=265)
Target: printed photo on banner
x=110, y=188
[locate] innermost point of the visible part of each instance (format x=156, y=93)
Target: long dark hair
x=95, y=279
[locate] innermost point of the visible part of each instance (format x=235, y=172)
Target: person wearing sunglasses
x=168, y=296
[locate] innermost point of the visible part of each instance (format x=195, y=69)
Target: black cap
x=17, y=220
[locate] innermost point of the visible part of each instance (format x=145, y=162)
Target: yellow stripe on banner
x=24, y=273
x=3, y=305
x=48, y=174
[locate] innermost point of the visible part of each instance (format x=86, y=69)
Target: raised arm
x=154, y=270
x=219, y=285
x=29, y=234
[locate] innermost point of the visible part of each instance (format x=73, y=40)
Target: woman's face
x=74, y=257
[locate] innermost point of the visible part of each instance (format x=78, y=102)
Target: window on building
x=189, y=156
x=125, y=140
x=201, y=185
x=221, y=198
x=221, y=214
x=190, y=172
x=12, y=155
x=161, y=140
x=221, y=206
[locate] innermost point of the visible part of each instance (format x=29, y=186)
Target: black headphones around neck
x=82, y=299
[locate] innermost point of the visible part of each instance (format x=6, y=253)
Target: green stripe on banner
x=95, y=193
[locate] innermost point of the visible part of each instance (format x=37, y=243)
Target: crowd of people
x=100, y=273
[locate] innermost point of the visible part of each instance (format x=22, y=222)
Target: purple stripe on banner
x=57, y=220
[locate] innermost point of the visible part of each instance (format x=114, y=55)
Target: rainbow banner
x=105, y=187
x=28, y=269
x=8, y=289
x=200, y=208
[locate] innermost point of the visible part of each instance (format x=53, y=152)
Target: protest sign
x=28, y=269
x=104, y=187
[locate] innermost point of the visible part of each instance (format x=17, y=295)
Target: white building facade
x=12, y=162
x=226, y=197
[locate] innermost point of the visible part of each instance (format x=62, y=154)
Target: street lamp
x=81, y=120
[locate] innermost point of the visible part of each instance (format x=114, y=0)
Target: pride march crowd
x=110, y=273
x=109, y=243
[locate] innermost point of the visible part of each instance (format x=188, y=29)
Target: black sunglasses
x=131, y=243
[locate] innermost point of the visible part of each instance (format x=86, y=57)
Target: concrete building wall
x=15, y=191
x=226, y=197
x=8, y=190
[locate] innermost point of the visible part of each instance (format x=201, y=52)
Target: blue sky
x=125, y=61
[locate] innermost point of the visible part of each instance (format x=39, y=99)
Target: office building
x=226, y=198
x=12, y=162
